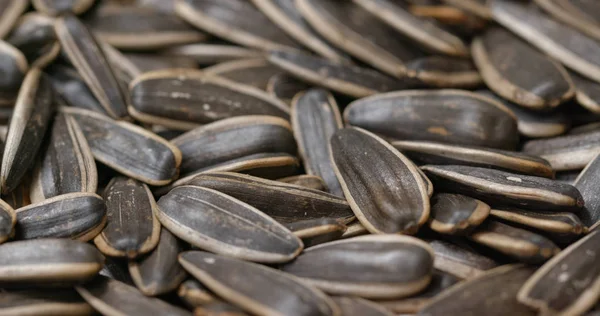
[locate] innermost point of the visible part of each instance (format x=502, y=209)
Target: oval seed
x=460, y=261
x=384, y=188
x=568, y=152
x=375, y=266
x=200, y=216
x=8, y=219
x=252, y=72
x=317, y=231
x=456, y=214
x=587, y=92
x=132, y=228
x=72, y=89
x=194, y=294
x=236, y=281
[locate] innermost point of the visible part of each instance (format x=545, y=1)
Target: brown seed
x=252, y=72
x=456, y=214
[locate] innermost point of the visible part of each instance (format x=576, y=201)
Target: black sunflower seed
x=194, y=294
x=455, y=214
x=317, y=231
x=72, y=89
x=358, y=306
x=568, y=152
x=444, y=72
x=285, y=87
x=34, y=36
x=581, y=15
x=151, y=62
x=477, y=7
x=587, y=92
x=212, y=53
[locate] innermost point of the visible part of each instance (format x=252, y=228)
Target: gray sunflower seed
x=252, y=72
x=67, y=165
x=355, y=266
x=191, y=214
x=284, y=202
x=317, y=231
x=437, y=115
x=499, y=188
x=111, y=297
x=90, y=61
x=354, y=306
x=236, y=281
x=567, y=45
x=569, y=152
x=78, y=216
x=384, y=188
x=184, y=98
x=445, y=72
x=347, y=79
x=455, y=214
x=587, y=183
x=43, y=303
x=581, y=15
x=194, y=294
x=159, y=272
x=420, y=30
x=520, y=73
x=459, y=261
x=138, y=28
x=34, y=36
x=234, y=20
x=10, y=11
x=152, y=62
x=363, y=35
x=315, y=118
x=514, y=242
x=493, y=293
x=14, y=66
x=305, y=180
x=72, y=89
x=57, y=7
x=477, y=7
x=285, y=87
x=568, y=284
x=48, y=262
x=32, y=114
x=132, y=228
x=8, y=219
x=219, y=308
x=587, y=92
x=212, y=53
x=441, y=154
x=128, y=148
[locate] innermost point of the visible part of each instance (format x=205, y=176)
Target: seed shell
x=587, y=92
x=455, y=214
x=460, y=261
x=568, y=152
x=317, y=231
x=587, y=183
x=194, y=294
x=10, y=11
x=14, y=67
x=8, y=219
x=34, y=36
x=72, y=89
x=252, y=72
x=219, y=308
x=146, y=62
x=477, y=7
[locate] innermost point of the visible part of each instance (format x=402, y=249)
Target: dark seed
x=587, y=183
x=307, y=181
x=19, y=197
x=569, y=152
x=252, y=72
x=456, y=214
x=460, y=261
x=358, y=306
x=116, y=270
x=72, y=89
x=13, y=66
x=34, y=36
x=8, y=219
x=57, y=7
x=43, y=303
x=354, y=229
x=477, y=7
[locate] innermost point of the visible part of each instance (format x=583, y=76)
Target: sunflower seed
x=455, y=214
x=252, y=72
x=34, y=36
x=159, y=272
x=128, y=148
x=8, y=219
x=367, y=266
x=581, y=15
x=57, y=7
x=317, y=231
x=184, y=98
x=191, y=214
x=111, y=297
x=48, y=262
x=14, y=66
x=436, y=115
x=284, y=202
x=383, y=187
x=285, y=87
x=445, y=72
x=499, y=188
x=236, y=281
x=43, y=303
x=568, y=284
x=462, y=262
x=10, y=11
x=477, y=7
x=569, y=152
x=32, y=114
x=307, y=181
x=194, y=294
x=152, y=62
x=78, y=216
x=68, y=84
x=211, y=53
x=359, y=307
x=587, y=184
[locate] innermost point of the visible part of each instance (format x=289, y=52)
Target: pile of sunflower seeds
x=300, y=157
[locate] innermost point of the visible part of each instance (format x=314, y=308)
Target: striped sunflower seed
x=305, y=180
x=252, y=72
x=19, y=197
x=219, y=309
x=57, y=7
x=8, y=219
x=587, y=183
x=460, y=261
x=34, y=36
x=117, y=270
x=150, y=62
x=581, y=15
x=455, y=214
x=477, y=7
x=354, y=229
x=568, y=152
x=43, y=303
x=14, y=66
x=10, y=11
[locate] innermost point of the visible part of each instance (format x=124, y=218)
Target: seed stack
x=300, y=157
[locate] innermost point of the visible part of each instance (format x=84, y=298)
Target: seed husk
x=14, y=67
x=375, y=266
x=194, y=294
x=317, y=231
x=568, y=284
x=236, y=281
x=112, y=297
x=438, y=115
x=354, y=81
x=132, y=228
x=363, y=36
x=493, y=293
x=285, y=87
x=192, y=212
x=587, y=92
x=252, y=72
x=445, y=72
x=8, y=219
x=159, y=272
x=568, y=152
x=581, y=15
x=587, y=183
x=72, y=89
x=212, y=53
x=455, y=214
x=462, y=262
x=305, y=180
x=67, y=165
x=34, y=36
x=86, y=55
x=315, y=118
x=499, y=188
x=442, y=154
x=10, y=11
x=236, y=21
x=185, y=98
x=124, y=147
x=78, y=216
x=30, y=120
x=520, y=73
x=138, y=28
x=57, y=7
x=150, y=62
x=48, y=262
x=422, y=31
x=565, y=44
x=358, y=306
x=282, y=201
x=516, y=243
x=384, y=188
x=43, y=303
